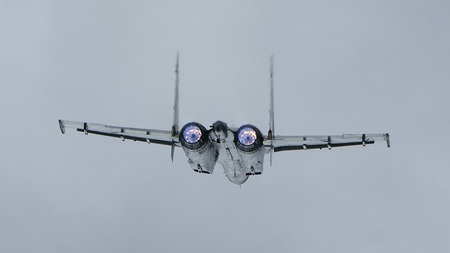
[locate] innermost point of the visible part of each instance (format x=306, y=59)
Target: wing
x=125, y=133
x=283, y=143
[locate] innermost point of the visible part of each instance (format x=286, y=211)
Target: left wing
x=284, y=143
x=125, y=133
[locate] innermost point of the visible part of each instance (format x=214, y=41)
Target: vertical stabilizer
x=175, y=125
x=271, y=133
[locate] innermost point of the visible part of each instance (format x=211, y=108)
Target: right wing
x=283, y=143
x=125, y=133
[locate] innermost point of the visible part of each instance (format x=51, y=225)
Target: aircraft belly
x=229, y=159
x=203, y=160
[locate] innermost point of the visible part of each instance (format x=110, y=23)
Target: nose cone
x=220, y=127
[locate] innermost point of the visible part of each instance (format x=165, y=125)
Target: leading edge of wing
x=284, y=143
x=163, y=137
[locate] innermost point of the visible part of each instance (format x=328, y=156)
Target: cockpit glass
x=247, y=136
x=192, y=134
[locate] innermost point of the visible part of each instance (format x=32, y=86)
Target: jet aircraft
x=240, y=151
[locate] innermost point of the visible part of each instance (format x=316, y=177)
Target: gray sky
x=340, y=67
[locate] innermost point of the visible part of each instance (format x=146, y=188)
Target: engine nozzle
x=248, y=138
x=193, y=135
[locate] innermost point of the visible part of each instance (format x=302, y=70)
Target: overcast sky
x=340, y=67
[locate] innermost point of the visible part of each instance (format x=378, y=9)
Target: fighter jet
x=240, y=151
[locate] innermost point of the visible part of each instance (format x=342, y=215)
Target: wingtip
x=61, y=126
x=388, y=141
